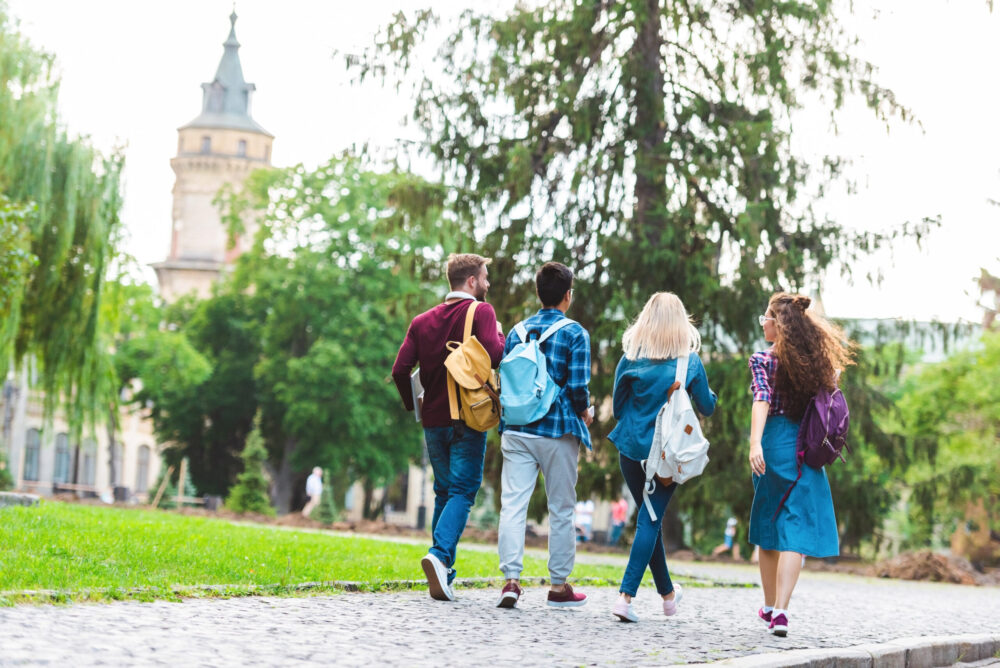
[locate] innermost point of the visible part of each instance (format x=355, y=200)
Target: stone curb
x=918, y=652
x=16, y=499
x=269, y=589
x=184, y=591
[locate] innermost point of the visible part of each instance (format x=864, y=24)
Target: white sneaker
x=437, y=578
x=670, y=607
x=624, y=611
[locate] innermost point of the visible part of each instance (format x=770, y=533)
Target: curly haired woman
x=807, y=354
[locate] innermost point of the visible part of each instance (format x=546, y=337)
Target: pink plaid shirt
x=762, y=368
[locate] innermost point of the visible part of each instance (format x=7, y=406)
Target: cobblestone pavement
x=410, y=629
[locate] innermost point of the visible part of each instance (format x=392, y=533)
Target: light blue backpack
x=527, y=391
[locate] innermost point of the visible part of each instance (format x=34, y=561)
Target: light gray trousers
x=557, y=459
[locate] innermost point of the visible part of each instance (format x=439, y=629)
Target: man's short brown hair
x=463, y=265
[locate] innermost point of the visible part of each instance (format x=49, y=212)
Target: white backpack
x=679, y=449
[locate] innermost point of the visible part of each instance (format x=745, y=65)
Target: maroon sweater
x=425, y=344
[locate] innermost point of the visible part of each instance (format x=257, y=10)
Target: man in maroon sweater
x=455, y=451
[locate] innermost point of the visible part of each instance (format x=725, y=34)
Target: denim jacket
x=641, y=390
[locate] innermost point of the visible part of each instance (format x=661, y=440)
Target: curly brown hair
x=809, y=349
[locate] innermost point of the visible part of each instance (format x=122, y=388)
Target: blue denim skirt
x=806, y=523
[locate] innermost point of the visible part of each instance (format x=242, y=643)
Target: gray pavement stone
x=829, y=612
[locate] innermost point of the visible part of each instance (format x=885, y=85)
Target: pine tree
x=326, y=512
x=648, y=145
x=249, y=494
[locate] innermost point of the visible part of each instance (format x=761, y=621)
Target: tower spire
x=226, y=99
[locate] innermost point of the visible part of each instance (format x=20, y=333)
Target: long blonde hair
x=662, y=331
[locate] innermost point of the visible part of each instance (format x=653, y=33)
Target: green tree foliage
x=306, y=329
x=950, y=419
x=647, y=145
x=59, y=230
x=339, y=267
x=195, y=375
x=249, y=494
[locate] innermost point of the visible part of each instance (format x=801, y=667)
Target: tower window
x=206, y=144
x=241, y=148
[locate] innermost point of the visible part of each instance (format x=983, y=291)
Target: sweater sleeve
x=406, y=359
x=484, y=326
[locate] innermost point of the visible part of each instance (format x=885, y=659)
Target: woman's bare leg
x=768, y=562
x=789, y=565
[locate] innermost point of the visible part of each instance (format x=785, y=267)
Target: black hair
x=552, y=282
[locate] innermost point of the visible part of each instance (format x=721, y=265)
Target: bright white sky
x=131, y=74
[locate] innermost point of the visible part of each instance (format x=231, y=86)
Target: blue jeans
x=647, y=548
x=458, y=472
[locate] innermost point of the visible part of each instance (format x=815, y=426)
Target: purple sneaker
x=764, y=616
x=779, y=626
x=566, y=598
x=509, y=596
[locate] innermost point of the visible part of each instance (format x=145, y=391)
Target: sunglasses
x=762, y=319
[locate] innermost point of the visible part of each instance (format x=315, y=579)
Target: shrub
x=249, y=494
x=6, y=481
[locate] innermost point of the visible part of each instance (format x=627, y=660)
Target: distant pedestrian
x=456, y=451
x=619, y=516
x=551, y=443
x=314, y=490
x=729, y=541
x=807, y=355
x=643, y=380
x=583, y=519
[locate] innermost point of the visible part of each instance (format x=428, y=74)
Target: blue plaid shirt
x=567, y=355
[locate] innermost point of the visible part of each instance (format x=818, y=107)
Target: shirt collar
x=458, y=294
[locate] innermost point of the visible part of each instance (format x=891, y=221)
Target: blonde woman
x=662, y=333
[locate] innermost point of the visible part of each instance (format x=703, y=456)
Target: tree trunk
x=650, y=127
x=112, y=430
x=284, y=480
x=371, y=510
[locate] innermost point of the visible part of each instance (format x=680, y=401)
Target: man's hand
x=499, y=328
x=588, y=416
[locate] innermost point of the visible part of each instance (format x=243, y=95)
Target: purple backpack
x=822, y=433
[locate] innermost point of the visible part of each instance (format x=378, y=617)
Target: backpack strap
x=682, y=371
x=469, y=317
x=788, y=492
x=521, y=331
x=452, y=393
x=650, y=464
x=554, y=327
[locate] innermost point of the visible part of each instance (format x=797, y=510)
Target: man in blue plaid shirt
x=551, y=444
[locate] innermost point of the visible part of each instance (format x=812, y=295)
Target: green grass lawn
x=93, y=552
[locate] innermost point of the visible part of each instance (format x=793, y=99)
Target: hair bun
x=802, y=302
